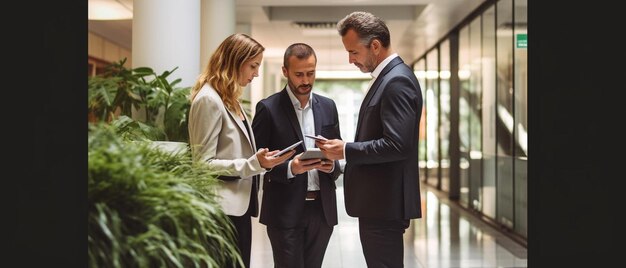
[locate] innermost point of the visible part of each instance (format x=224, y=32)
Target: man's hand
x=299, y=166
x=327, y=166
x=332, y=149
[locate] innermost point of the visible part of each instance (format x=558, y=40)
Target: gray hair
x=367, y=26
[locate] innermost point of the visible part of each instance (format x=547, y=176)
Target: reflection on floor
x=446, y=236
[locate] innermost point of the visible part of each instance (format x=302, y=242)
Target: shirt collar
x=382, y=65
x=295, y=102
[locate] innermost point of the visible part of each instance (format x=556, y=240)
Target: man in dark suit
x=299, y=205
x=381, y=184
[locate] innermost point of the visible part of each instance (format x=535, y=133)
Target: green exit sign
x=522, y=41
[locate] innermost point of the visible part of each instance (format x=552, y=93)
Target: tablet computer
x=317, y=138
x=291, y=147
x=312, y=153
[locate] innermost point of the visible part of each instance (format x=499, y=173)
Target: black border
x=45, y=104
x=574, y=121
x=575, y=116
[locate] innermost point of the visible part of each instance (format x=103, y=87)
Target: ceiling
x=415, y=25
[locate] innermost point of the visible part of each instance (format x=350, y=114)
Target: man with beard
x=299, y=205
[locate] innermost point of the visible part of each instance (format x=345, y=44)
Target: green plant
x=151, y=208
x=158, y=103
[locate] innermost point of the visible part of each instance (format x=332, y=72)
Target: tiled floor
x=446, y=236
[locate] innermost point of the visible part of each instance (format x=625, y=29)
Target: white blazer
x=219, y=137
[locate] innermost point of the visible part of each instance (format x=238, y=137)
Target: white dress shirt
x=307, y=126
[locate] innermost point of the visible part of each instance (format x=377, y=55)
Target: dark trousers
x=382, y=242
x=243, y=228
x=243, y=235
x=305, y=244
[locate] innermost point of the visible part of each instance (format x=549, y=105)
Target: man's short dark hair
x=300, y=50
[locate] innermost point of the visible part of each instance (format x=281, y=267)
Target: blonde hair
x=223, y=70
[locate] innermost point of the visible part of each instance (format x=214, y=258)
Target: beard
x=304, y=89
x=368, y=65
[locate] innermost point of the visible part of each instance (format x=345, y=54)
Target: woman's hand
x=267, y=159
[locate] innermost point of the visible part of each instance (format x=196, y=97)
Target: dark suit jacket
x=276, y=126
x=381, y=174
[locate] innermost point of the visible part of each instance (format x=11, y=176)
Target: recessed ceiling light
x=109, y=10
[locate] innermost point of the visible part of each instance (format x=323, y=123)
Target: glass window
x=464, y=115
x=488, y=100
x=348, y=95
x=475, y=114
x=432, y=117
x=504, y=112
x=444, y=111
x=420, y=72
x=520, y=104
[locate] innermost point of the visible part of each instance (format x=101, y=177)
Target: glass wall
x=432, y=117
x=444, y=115
x=347, y=94
x=504, y=111
x=419, y=68
x=475, y=112
x=520, y=120
x=488, y=89
x=491, y=158
x=464, y=116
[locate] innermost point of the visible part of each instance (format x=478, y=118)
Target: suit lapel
x=365, y=103
x=372, y=91
x=288, y=109
x=317, y=113
x=241, y=126
x=250, y=139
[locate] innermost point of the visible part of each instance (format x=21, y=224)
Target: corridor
x=447, y=236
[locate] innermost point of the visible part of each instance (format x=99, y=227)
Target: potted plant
x=152, y=208
x=143, y=95
x=149, y=204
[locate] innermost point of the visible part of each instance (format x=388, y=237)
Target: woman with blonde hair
x=220, y=133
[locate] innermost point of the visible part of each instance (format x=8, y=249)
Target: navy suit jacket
x=381, y=179
x=275, y=127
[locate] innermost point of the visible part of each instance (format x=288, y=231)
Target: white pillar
x=166, y=34
x=218, y=21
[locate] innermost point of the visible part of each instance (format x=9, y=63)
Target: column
x=166, y=34
x=218, y=21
